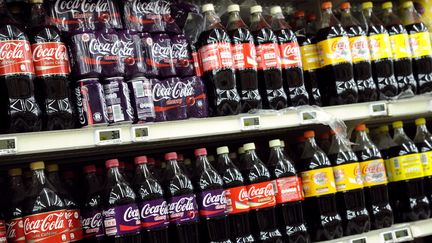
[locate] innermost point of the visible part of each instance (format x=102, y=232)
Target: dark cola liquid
x=338, y=85
x=423, y=142
x=14, y=208
x=422, y=65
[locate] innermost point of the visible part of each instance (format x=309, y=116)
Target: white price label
x=250, y=123
x=8, y=146
x=308, y=117
x=402, y=235
x=108, y=136
x=378, y=109
x=359, y=240
x=140, y=134
x=387, y=237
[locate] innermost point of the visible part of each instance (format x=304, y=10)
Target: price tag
x=402, y=235
x=387, y=237
x=359, y=240
x=250, y=123
x=378, y=109
x=308, y=117
x=8, y=146
x=108, y=136
x=140, y=134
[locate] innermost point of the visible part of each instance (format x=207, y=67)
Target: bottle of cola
x=19, y=111
x=423, y=141
x=236, y=196
x=121, y=215
x=44, y=206
x=14, y=207
x=91, y=209
x=262, y=198
x=211, y=200
x=51, y=62
x=182, y=205
x=151, y=203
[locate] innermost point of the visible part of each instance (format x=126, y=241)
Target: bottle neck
x=38, y=177
x=234, y=16
x=15, y=180
x=173, y=165
x=203, y=162
x=252, y=154
x=143, y=170
x=258, y=18
x=212, y=20
x=276, y=154
x=410, y=16
x=225, y=160
x=367, y=13
x=38, y=15
x=115, y=174
x=362, y=136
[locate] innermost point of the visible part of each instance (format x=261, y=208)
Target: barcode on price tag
x=250, y=123
x=308, y=117
x=140, y=134
x=108, y=136
x=378, y=109
x=359, y=240
x=8, y=146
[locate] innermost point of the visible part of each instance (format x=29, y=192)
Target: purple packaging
x=182, y=56
x=117, y=100
x=107, y=47
x=131, y=53
x=121, y=220
x=180, y=11
x=147, y=45
x=85, y=64
x=183, y=209
x=92, y=225
x=162, y=55
x=71, y=15
x=90, y=103
x=212, y=203
x=197, y=103
x=169, y=97
x=142, y=99
x=154, y=214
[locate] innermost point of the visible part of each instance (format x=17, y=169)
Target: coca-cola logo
x=92, y=222
x=13, y=50
x=51, y=221
x=180, y=50
x=127, y=48
x=291, y=51
x=260, y=192
x=243, y=195
x=360, y=44
x=106, y=48
x=375, y=167
x=45, y=52
x=131, y=214
x=183, y=205
x=166, y=91
x=157, y=7
x=161, y=52
x=214, y=200
x=339, y=46
x=154, y=210
x=83, y=6
x=10, y=230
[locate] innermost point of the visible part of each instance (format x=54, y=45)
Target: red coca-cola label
x=47, y=227
x=74, y=225
x=261, y=195
x=288, y=189
x=15, y=57
x=3, y=238
x=290, y=55
x=15, y=230
x=244, y=56
x=216, y=56
x=50, y=58
x=237, y=200
x=268, y=56
x=197, y=65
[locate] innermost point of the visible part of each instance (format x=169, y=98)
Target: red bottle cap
x=200, y=152
x=299, y=14
x=140, y=160
x=326, y=5
x=360, y=127
x=111, y=163
x=122, y=165
x=324, y=136
x=89, y=169
x=309, y=134
x=345, y=5
x=151, y=161
x=171, y=156
x=312, y=17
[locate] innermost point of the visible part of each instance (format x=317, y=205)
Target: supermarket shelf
x=134, y=136
x=397, y=233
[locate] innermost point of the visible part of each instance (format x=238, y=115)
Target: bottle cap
x=326, y=5
x=274, y=143
x=282, y=144
x=233, y=8
x=275, y=10
x=52, y=168
x=249, y=146
x=180, y=157
x=36, y=1
x=151, y=161
x=241, y=150
x=367, y=130
x=207, y=7
x=40, y=165
x=89, y=169
x=332, y=132
x=324, y=136
x=384, y=128
x=309, y=134
x=408, y=4
x=367, y=5
x=140, y=160
x=256, y=9
x=222, y=150
x=200, y=152
x=420, y=121
x=360, y=127
x=171, y=156
x=15, y=172
x=345, y=5
x=387, y=5
x=111, y=163
x=299, y=14
x=397, y=124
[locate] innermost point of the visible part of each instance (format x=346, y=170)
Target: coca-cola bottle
x=290, y=195
x=91, y=210
x=236, y=196
x=269, y=64
x=262, y=198
x=211, y=200
x=51, y=62
x=19, y=111
x=44, y=206
x=14, y=207
x=72, y=212
x=291, y=63
x=120, y=212
x=214, y=49
x=182, y=205
x=151, y=203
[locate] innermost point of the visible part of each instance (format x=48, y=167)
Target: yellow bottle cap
x=407, y=4
x=52, y=168
x=387, y=5
x=15, y=172
x=397, y=124
x=39, y=165
x=383, y=128
x=420, y=121
x=367, y=5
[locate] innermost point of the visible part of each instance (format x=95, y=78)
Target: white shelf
x=32, y=143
